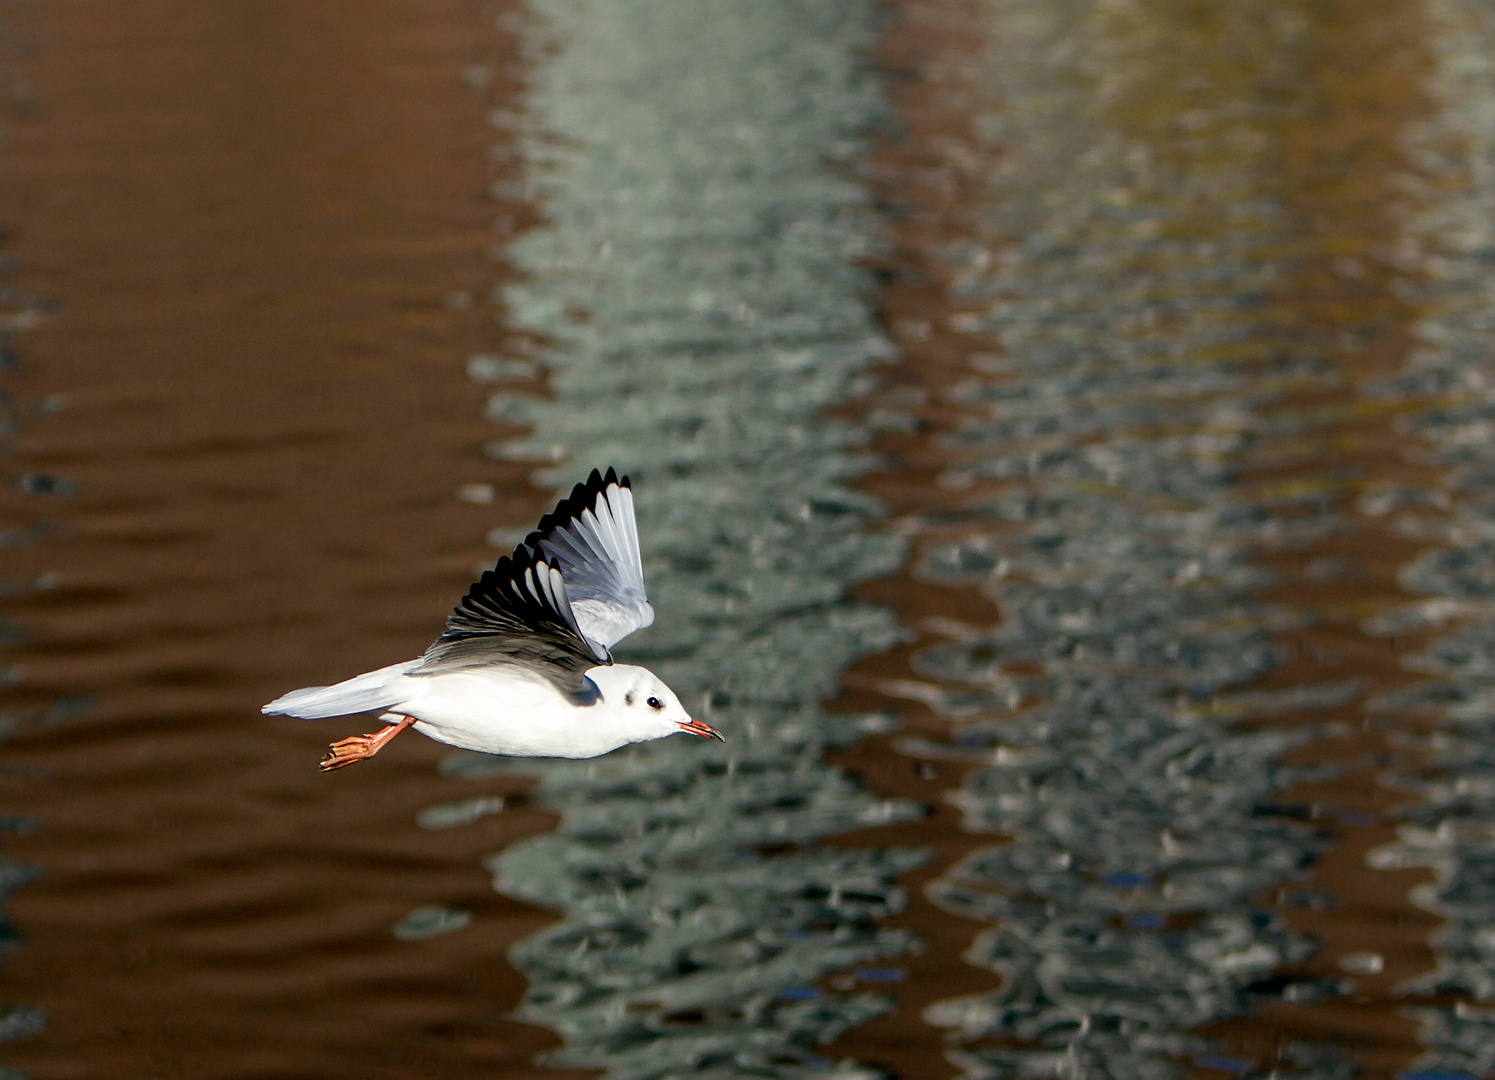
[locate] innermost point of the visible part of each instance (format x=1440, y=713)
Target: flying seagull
x=524, y=666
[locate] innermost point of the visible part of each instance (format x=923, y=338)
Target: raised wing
x=593, y=538
x=517, y=613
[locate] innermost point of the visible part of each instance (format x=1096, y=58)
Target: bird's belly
x=501, y=717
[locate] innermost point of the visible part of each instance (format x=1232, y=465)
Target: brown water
x=264, y=225
x=1336, y=134
x=259, y=242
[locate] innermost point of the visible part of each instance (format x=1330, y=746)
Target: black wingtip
x=503, y=573
x=503, y=588
x=518, y=612
x=583, y=497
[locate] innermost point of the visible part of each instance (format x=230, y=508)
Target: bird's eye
x=655, y=703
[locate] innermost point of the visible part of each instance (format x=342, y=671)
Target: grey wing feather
x=593, y=537
x=517, y=613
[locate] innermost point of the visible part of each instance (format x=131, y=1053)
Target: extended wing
x=517, y=613
x=593, y=538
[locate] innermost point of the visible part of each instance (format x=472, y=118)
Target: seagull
x=525, y=666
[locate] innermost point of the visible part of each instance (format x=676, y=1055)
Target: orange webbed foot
x=356, y=748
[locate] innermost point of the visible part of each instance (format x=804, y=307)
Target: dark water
x=1059, y=434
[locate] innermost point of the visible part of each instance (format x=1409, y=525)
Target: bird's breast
x=522, y=717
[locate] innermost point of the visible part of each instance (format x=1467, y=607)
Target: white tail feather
x=362, y=693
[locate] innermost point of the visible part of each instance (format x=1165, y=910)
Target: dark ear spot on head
x=628, y=698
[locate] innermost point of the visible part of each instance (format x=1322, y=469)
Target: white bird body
x=508, y=711
x=517, y=670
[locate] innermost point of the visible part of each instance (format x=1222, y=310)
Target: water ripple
x=695, y=281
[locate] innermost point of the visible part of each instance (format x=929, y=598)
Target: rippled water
x=696, y=281
x=1136, y=352
x=1451, y=830
x=1147, y=389
x=1131, y=306
x=1167, y=429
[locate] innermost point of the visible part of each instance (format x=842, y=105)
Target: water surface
x=1059, y=437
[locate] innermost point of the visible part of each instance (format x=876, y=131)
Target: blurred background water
x=1060, y=438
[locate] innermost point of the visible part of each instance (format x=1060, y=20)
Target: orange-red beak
x=706, y=731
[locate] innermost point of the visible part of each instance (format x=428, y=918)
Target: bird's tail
x=362, y=693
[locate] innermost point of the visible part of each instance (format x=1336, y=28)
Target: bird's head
x=643, y=704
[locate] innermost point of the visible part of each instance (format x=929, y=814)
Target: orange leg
x=361, y=747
